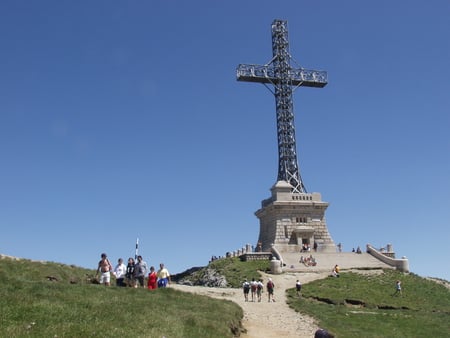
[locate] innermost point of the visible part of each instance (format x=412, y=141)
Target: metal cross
x=279, y=73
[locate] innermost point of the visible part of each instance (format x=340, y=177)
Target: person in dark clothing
x=129, y=275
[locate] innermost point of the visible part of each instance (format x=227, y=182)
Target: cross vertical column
x=279, y=73
x=287, y=156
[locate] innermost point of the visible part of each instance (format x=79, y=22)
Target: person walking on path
x=253, y=287
x=152, y=279
x=298, y=288
x=259, y=289
x=120, y=271
x=270, y=287
x=105, y=267
x=163, y=276
x=246, y=289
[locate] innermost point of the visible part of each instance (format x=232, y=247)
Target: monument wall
x=290, y=220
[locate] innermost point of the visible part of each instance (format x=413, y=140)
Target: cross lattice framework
x=285, y=79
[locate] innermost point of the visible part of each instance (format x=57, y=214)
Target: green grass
x=354, y=305
x=363, y=305
x=31, y=305
x=233, y=269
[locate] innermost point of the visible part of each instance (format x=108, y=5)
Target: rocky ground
x=264, y=319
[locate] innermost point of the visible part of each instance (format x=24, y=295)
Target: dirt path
x=264, y=319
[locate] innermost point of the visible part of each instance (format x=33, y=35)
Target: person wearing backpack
x=259, y=289
x=246, y=288
x=270, y=287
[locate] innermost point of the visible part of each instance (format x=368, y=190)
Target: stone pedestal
x=289, y=220
x=275, y=267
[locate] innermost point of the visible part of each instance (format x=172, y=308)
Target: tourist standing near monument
x=140, y=271
x=104, y=266
x=129, y=275
x=152, y=282
x=163, y=276
x=120, y=271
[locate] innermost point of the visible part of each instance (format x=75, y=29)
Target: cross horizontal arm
x=267, y=74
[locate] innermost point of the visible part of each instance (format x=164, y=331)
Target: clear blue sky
x=124, y=119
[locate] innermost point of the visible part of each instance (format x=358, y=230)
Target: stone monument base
x=291, y=221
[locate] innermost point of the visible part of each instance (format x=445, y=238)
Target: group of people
x=255, y=289
x=305, y=247
x=133, y=274
x=358, y=250
x=308, y=261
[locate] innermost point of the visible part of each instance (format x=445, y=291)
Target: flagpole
x=137, y=249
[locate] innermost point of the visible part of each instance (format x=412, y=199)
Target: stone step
x=327, y=261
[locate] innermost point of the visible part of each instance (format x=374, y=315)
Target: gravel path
x=264, y=319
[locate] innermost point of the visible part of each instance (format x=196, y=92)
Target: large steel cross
x=279, y=73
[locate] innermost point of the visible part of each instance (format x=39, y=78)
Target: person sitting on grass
x=335, y=271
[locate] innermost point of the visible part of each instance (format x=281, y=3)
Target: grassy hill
x=365, y=305
x=362, y=304
x=40, y=299
x=44, y=299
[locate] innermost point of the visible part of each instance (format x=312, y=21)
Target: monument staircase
x=326, y=261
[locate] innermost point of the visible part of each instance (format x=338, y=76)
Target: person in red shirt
x=152, y=279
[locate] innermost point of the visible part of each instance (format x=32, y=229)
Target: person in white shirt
x=120, y=271
x=259, y=289
x=298, y=288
